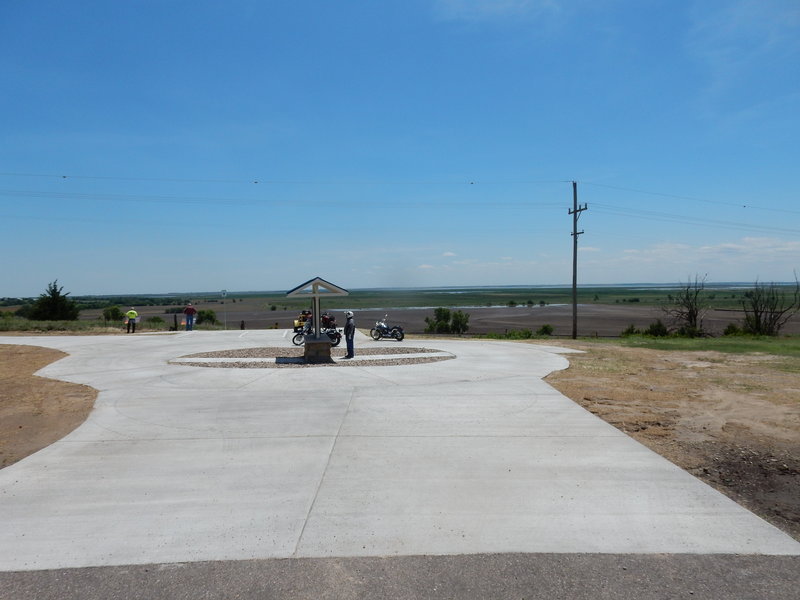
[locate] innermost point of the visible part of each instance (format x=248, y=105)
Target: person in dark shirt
x=349, y=334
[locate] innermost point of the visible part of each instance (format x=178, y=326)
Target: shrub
x=445, y=321
x=208, y=316
x=657, y=329
x=630, y=330
x=732, y=329
x=112, y=313
x=545, y=330
x=459, y=322
x=154, y=322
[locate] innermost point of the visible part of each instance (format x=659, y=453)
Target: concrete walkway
x=465, y=456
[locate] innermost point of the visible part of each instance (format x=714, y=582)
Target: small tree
x=206, y=316
x=440, y=322
x=688, y=306
x=767, y=308
x=459, y=322
x=112, y=313
x=446, y=321
x=54, y=306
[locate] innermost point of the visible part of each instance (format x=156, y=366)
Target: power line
x=135, y=198
x=684, y=220
x=692, y=198
x=268, y=181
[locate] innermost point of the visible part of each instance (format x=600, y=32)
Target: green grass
x=21, y=324
x=735, y=344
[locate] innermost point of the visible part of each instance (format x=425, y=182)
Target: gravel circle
x=294, y=353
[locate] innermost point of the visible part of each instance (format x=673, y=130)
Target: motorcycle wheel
x=375, y=334
x=298, y=339
x=336, y=339
x=398, y=335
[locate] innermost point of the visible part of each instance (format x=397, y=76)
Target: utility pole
x=575, y=212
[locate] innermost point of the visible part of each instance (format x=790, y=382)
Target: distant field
x=723, y=297
x=604, y=310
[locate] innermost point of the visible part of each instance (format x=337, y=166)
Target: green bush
x=630, y=330
x=446, y=321
x=440, y=323
x=459, y=322
x=545, y=330
x=733, y=329
x=154, y=322
x=207, y=317
x=112, y=313
x=657, y=329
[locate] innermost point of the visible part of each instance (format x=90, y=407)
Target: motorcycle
x=382, y=330
x=334, y=334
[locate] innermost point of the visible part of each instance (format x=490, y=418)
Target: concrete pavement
x=473, y=455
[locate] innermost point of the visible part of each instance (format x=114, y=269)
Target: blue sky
x=169, y=146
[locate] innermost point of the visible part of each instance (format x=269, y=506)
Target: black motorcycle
x=382, y=330
x=334, y=334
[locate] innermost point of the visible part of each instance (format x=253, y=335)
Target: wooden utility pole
x=575, y=212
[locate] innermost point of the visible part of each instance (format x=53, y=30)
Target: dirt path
x=35, y=411
x=731, y=420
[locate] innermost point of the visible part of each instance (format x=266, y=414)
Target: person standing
x=190, y=312
x=349, y=334
x=131, y=316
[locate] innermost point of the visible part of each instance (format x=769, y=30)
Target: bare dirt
x=731, y=420
x=35, y=411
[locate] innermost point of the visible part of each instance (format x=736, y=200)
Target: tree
x=767, y=308
x=112, y=313
x=440, y=322
x=54, y=306
x=688, y=306
x=459, y=322
x=206, y=316
x=446, y=321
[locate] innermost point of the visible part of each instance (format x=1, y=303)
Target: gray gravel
x=292, y=357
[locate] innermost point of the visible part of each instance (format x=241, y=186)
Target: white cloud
x=449, y=254
x=426, y=267
x=740, y=260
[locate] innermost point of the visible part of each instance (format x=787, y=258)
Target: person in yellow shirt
x=130, y=318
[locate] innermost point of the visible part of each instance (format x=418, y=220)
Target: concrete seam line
x=324, y=472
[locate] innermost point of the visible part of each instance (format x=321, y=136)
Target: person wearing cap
x=190, y=311
x=131, y=317
x=349, y=334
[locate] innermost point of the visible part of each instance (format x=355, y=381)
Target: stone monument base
x=317, y=349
